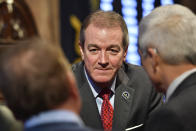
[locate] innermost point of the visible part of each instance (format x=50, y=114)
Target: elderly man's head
x=167, y=38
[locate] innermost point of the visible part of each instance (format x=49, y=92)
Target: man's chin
x=102, y=81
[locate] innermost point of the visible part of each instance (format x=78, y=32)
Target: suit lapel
x=123, y=100
x=89, y=111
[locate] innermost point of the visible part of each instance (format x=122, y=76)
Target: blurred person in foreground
x=16, y=23
x=7, y=119
x=167, y=45
x=39, y=87
x=115, y=95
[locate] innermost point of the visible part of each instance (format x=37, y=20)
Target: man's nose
x=103, y=59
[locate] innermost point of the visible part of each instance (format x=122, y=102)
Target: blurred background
x=60, y=20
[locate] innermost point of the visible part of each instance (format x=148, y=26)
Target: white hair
x=170, y=29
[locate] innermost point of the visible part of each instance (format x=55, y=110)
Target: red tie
x=106, y=110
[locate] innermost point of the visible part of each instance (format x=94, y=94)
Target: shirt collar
x=95, y=89
x=172, y=87
x=53, y=116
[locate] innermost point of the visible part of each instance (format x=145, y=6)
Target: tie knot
x=105, y=94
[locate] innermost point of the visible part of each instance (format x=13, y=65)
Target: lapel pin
x=125, y=95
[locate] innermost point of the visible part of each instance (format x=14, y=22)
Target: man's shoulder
x=132, y=66
x=77, y=66
x=78, y=70
x=135, y=76
x=134, y=70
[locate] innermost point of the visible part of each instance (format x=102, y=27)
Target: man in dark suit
x=167, y=45
x=39, y=87
x=130, y=96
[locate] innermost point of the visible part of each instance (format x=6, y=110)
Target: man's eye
x=114, y=51
x=93, y=50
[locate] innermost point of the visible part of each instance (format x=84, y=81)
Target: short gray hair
x=108, y=19
x=171, y=29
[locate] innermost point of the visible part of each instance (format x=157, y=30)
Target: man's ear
x=73, y=90
x=152, y=53
x=81, y=50
x=125, y=53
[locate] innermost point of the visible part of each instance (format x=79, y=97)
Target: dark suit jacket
x=127, y=112
x=179, y=113
x=58, y=126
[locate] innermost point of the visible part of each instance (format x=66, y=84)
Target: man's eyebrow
x=114, y=46
x=96, y=46
x=92, y=45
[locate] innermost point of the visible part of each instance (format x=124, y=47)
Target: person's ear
x=81, y=50
x=72, y=83
x=153, y=55
x=73, y=90
x=125, y=53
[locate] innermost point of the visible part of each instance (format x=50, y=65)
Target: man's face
x=103, y=53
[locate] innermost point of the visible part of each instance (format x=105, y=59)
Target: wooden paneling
x=46, y=14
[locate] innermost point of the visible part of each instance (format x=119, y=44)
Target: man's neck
x=70, y=105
